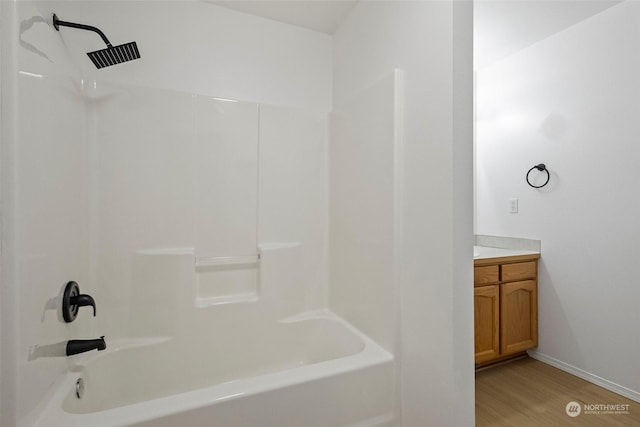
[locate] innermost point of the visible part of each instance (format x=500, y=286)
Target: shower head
x=112, y=55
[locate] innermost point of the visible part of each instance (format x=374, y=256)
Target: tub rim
x=53, y=413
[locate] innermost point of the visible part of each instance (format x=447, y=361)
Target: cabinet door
x=486, y=322
x=518, y=316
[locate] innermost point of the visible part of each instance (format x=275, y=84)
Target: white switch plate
x=513, y=205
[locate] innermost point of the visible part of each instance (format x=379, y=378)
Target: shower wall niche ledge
x=213, y=261
x=226, y=279
x=226, y=299
x=238, y=279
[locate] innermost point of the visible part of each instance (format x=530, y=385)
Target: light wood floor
x=531, y=393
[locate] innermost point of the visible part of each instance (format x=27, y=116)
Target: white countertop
x=484, y=252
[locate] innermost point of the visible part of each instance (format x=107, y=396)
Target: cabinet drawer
x=485, y=275
x=519, y=271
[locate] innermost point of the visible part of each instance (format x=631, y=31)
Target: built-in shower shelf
x=226, y=279
x=226, y=299
x=211, y=261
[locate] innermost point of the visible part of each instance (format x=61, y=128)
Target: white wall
x=7, y=338
x=3, y=119
x=198, y=47
x=572, y=102
x=436, y=333
x=363, y=190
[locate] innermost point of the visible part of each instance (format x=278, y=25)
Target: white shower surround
x=192, y=331
x=52, y=169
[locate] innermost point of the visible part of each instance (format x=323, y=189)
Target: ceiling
x=501, y=27
x=505, y=27
x=323, y=16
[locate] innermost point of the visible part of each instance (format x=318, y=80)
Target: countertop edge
x=479, y=262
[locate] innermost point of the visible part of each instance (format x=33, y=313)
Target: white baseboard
x=587, y=376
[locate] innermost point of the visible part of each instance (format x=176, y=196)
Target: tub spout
x=81, y=346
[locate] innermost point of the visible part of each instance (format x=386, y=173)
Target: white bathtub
x=311, y=371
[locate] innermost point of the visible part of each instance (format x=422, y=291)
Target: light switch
x=513, y=205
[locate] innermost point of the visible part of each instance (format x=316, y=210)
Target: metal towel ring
x=542, y=168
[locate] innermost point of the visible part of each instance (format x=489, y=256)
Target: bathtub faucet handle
x=72, y=300
x=84, y=300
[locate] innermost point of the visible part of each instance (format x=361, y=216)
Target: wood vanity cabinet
x=505, y=307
